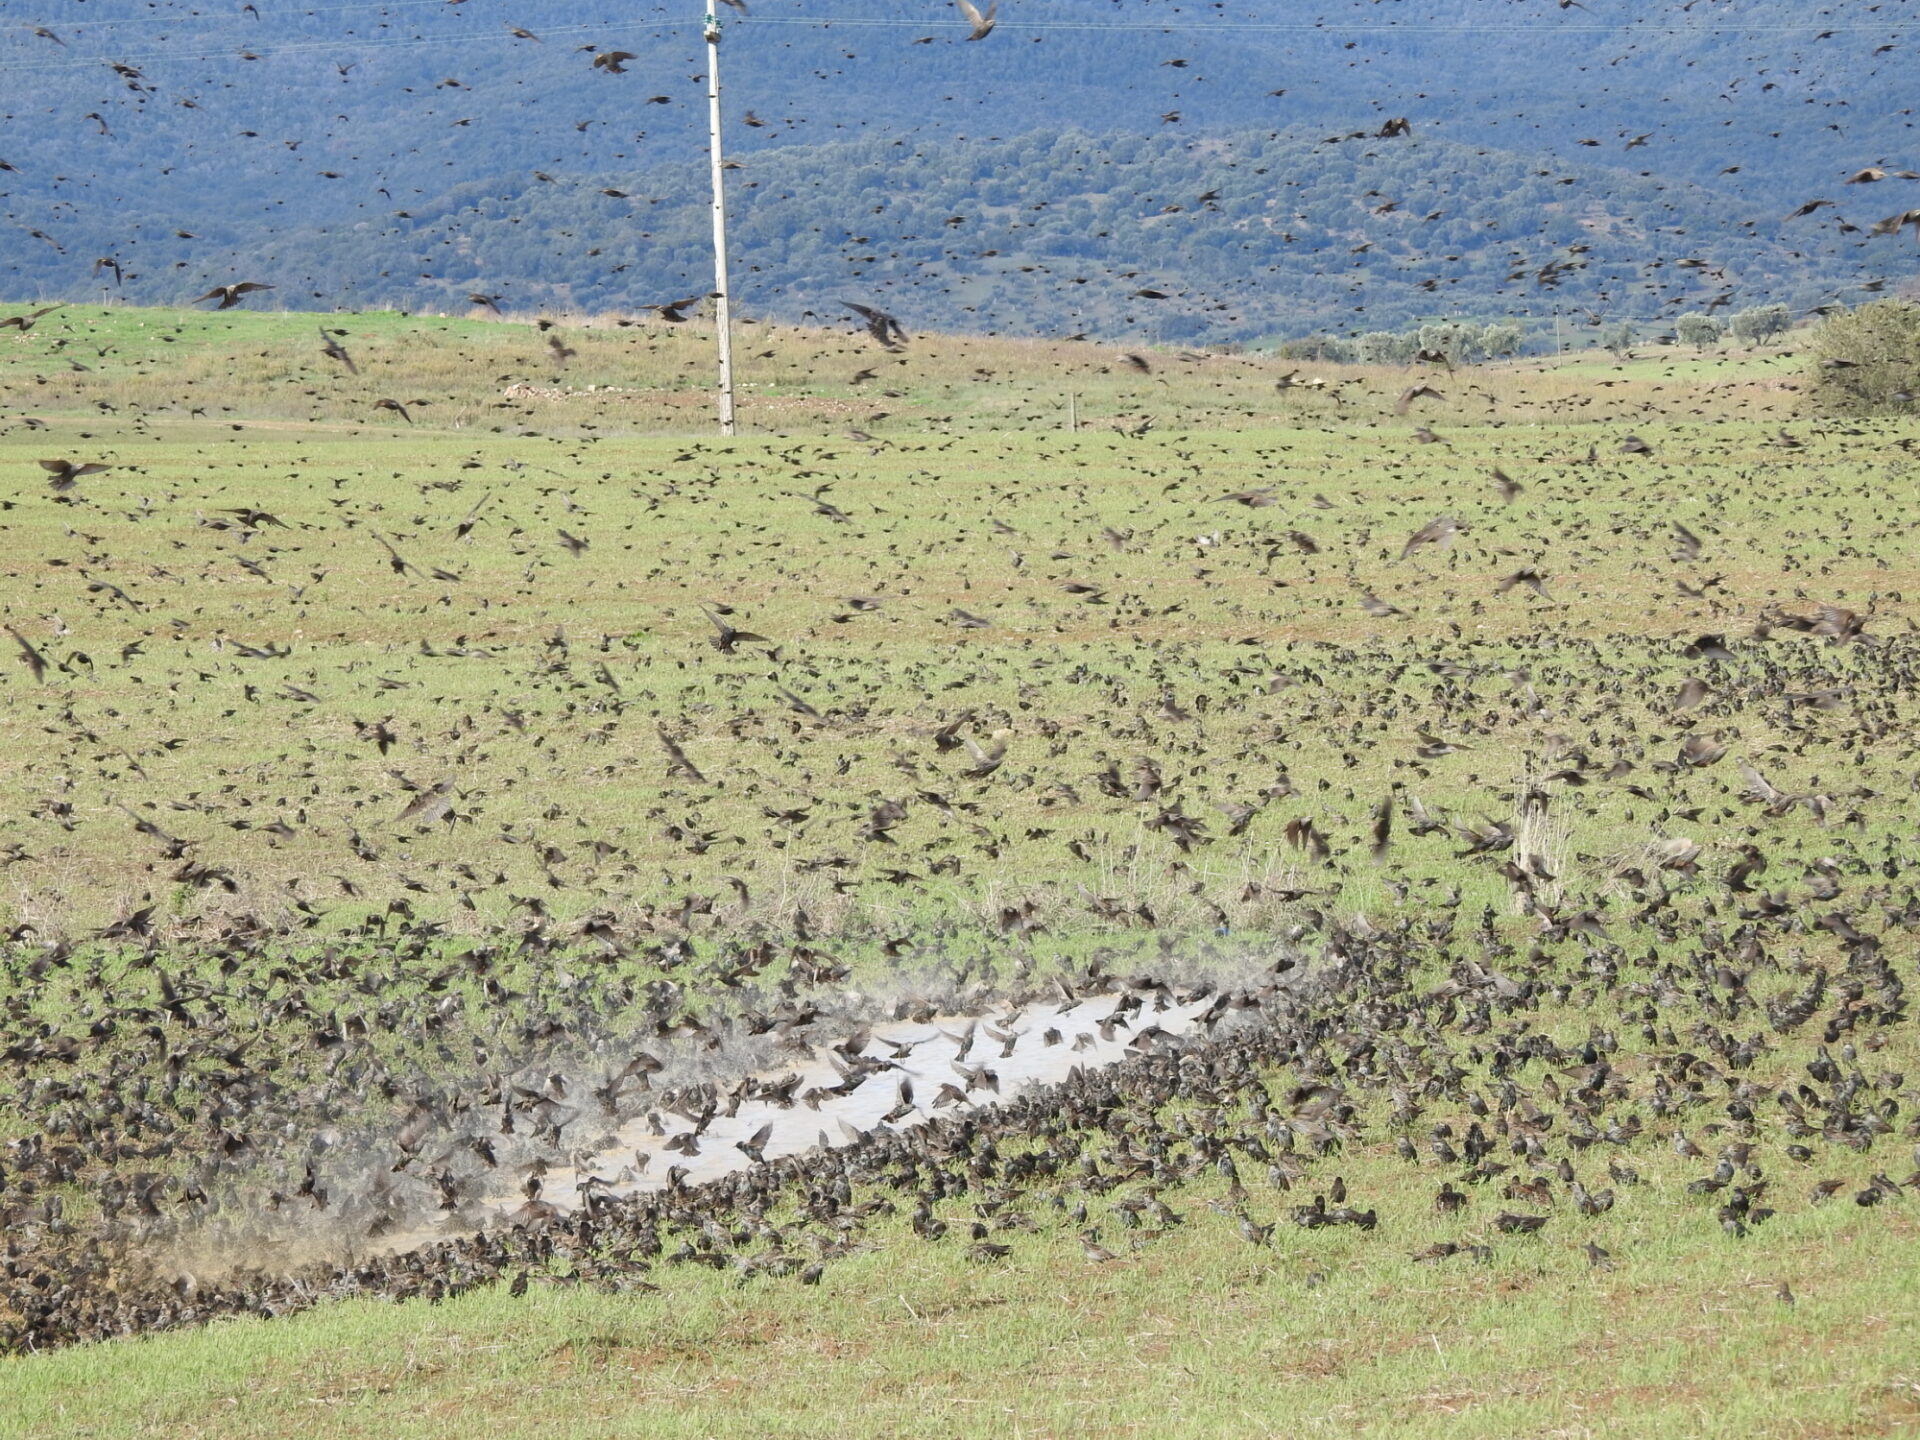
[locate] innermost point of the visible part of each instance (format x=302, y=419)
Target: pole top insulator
x=713, y=28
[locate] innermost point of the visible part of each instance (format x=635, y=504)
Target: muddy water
x=904, y=1074
x=893, y=1074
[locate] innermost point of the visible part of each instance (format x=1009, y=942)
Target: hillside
x=1032, y=183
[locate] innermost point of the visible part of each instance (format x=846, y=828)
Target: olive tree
x=1618, y=337
x=1698, y=330
x=1384, y=347
x=1502, y=337
x=1867, y=360
x=1761, y=323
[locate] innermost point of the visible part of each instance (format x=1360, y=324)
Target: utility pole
x=722, y=300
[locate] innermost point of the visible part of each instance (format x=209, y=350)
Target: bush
x=1760, y=323
x=1459, y=343
x=1618, y=337
x=1318, y=348
x=1698, y=330
x=1383, y=347
x=1867, y=360
x=1502, y=338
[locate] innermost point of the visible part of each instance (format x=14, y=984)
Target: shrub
x=1383, y=347
x=1502, y=338
x=1318, y=347
x=1867, y=360
x=1698, y=330
x=1762, y=322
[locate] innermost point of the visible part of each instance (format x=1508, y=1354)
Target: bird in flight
x=24, y=323
x=334, y=350
x=1413, y=393
x=674, y=311
x=229, y=295
x=64, y=473
x=882, y=326
x=982, y=24
x=728, y=636
x=29, y=656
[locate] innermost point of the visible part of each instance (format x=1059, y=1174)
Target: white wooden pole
x=722, y=302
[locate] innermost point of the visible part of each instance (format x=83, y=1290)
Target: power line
x=1337, y=27
x=1821, y=25
x=294, y=47
x=1223, y=28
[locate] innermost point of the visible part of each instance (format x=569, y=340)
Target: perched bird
x=1510, y=1223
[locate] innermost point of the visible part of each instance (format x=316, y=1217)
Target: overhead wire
x=1222, y=27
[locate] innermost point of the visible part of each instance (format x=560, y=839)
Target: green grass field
x=549, y=622
x=370, y=756
x=1199, y=1335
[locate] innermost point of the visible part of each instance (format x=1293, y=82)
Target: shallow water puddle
x=904, y=1074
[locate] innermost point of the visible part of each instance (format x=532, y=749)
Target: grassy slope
x=1203, y=602
x=1196, y=1332
x=1200, y=1336
x=1192, y=1331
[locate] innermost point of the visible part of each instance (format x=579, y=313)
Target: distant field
x=375, y=757
x=574, y=376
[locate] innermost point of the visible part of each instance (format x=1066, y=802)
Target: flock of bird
x=1734, y=1076
x=1681, y=835
x=829, y=604
x=1521, y=812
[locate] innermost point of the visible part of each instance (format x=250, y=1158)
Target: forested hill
x=1625, y=164
x=1074, y=233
